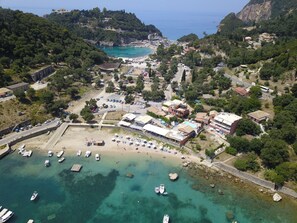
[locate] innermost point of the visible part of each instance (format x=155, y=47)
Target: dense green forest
x=105, y=25
x=28, y=42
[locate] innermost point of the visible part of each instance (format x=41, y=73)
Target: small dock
x=76, y=168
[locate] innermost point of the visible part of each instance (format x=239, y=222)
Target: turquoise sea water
x=127, y=51
x=101, y=192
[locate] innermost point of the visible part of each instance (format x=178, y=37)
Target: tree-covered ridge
x=28, y=41
x=105, y=25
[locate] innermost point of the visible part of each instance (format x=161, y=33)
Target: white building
x=225, y=122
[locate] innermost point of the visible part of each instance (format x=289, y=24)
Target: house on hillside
x=5, y=92
x=18, y=87
x=241, y=91
x=258, y=116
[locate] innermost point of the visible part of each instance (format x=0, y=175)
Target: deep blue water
x=174, y=25
x=101, y=192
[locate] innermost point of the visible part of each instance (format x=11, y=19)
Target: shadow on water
x=83, y=197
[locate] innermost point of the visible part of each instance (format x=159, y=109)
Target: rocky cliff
x=256, y=12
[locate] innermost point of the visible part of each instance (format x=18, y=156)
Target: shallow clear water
x=101, y=192
x=127, y=51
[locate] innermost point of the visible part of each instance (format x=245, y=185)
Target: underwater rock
x=130, y=175
x=173, y=176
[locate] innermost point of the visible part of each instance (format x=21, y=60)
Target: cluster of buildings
x=179, y=133
x=263, y=37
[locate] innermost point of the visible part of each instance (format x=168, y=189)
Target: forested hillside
x=28, y=42
x=107, y=26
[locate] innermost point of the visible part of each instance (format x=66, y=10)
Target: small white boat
x=21, y=150
x=60, y=154
x=97, y=157
x=47, y=163
x=34, y=196
x=157, y=190
x=50, y=153
x=30, y=221
x=7, y=216
x=3, y=212
x=88, y=153
x=166, y=218
x=61, y=160
x=162, y=188
x=78, y=153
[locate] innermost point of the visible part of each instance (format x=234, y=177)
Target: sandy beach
x=116, y=143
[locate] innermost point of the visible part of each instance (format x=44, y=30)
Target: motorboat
x=30, y=221
x=50, y=153
x=166, y=218
x=88, y=153
x=157, y=190
x=3, y=212
x=47, y=163
x=61, y=160
x=78, y=153
x=34, y=196
x=97, y=157
x=7, y=216
x=162, y=188
x=60, y=154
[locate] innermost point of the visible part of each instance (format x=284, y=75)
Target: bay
x=127, y=51
x=102, y=192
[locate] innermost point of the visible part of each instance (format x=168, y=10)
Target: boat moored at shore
x=97, y=157
x=60, y=154
x=61, y=160
x=88, y=153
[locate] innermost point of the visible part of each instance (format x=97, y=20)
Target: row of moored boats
x=5, y=214
x=62, y=159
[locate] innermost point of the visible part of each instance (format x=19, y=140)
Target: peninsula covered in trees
x=104, y=26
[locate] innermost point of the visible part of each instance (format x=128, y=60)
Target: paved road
x=18, y=135
x=238, y=81
x=253, y=179
x=178, y=76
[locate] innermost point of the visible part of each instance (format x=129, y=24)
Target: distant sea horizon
x=174, y=25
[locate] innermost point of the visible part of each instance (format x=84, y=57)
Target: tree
x=73, y=117
x=87, y=114
x=31, y=93
x=247, y=126
x=275, y=152
x=294, y=90
x=255, y=91
x=110, y=87
x=20, y=95
x=72, y=92
x=46, y=97
x=230, y=150
x=247, y=162
x=116, y=77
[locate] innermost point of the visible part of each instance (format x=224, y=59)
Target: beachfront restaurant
x=172, y=135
